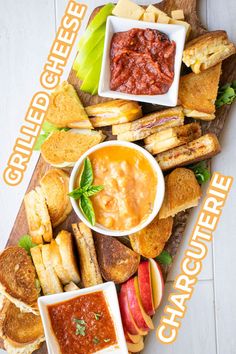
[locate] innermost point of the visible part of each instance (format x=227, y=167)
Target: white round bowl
x=160, y=190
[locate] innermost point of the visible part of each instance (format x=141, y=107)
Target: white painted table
x=27, y=29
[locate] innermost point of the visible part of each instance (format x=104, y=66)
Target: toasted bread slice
x=40, y=228
x=172, y=137
x=55, y=187
x=63, y=149
x=55, y=284
x=151, y=241
x=182, y=192
x=113, y=112
x=70, y=287
x=18, y=279
x=57, y=262
x=42, y=272
x=200, y=149
x=152, y=123
x=89, y=268
x=116, y=261
x=198, y=93
x=207, y=50
x=22, y=332
x=64, y=242
x=66, y=110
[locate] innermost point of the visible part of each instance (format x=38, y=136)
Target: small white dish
x=176, y=33
x=110, y=294
x=159, y=191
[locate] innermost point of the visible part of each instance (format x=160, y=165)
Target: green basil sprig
x=85, y=191
x=26, y=242
x=226, y=94
x=164, y=258
x=201, y=172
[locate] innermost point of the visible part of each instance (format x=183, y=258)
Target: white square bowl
x=176, y=33
x=109, y=291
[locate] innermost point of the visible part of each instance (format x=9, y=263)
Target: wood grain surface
x=228, y=74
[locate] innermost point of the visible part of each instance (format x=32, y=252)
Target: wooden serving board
x=216, y=126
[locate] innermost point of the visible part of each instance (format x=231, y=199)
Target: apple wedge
x=127, y=318
x=97, y=21
x=157, y=282
x=141, y=318
x=145, y=287
x=135, y=347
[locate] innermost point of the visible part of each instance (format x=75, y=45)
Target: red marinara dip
x=83, y=324
x=142, y=62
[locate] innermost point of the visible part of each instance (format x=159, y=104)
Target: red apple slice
x=135, y=347
x=145, y=287
x=141, y=318
x=157, y=282
x=127, y=318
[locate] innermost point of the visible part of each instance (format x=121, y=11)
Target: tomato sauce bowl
x=75, y=324
x=170, y=40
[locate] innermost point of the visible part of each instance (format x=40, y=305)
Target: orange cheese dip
x=129, y=187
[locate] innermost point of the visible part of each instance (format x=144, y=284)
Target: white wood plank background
x=27, y=29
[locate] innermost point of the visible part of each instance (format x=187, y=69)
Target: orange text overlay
x=191, y=265
x=49, y=79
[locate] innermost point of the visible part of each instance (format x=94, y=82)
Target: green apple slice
x=91, y=81
x=84, y=58
x=97, y=21
x=90, y=60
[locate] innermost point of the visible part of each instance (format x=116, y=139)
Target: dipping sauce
x=130, y=185
x=83, y=325
x=142, y=62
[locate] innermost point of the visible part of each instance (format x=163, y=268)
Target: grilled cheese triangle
x=152, y=123
x=22, y=332
x=182, y=192
x=18, y=279
x=198, y=93
x=207, y=50
x=199, y=149
x=64, y=148
x=66, y=110
x=113, y=112
x=172, y=137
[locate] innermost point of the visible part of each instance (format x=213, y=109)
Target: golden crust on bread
x=207, y=50
x=182, y=192
x=66, y=110
x=64, y=242
x=21, y=332
x=200, y=149
x=55, y=187
x=39, y=223
x=66, y=147
x=117, y=262
x=151, y=241
x=198, y=92
x=17, y=278
x=90, y=272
